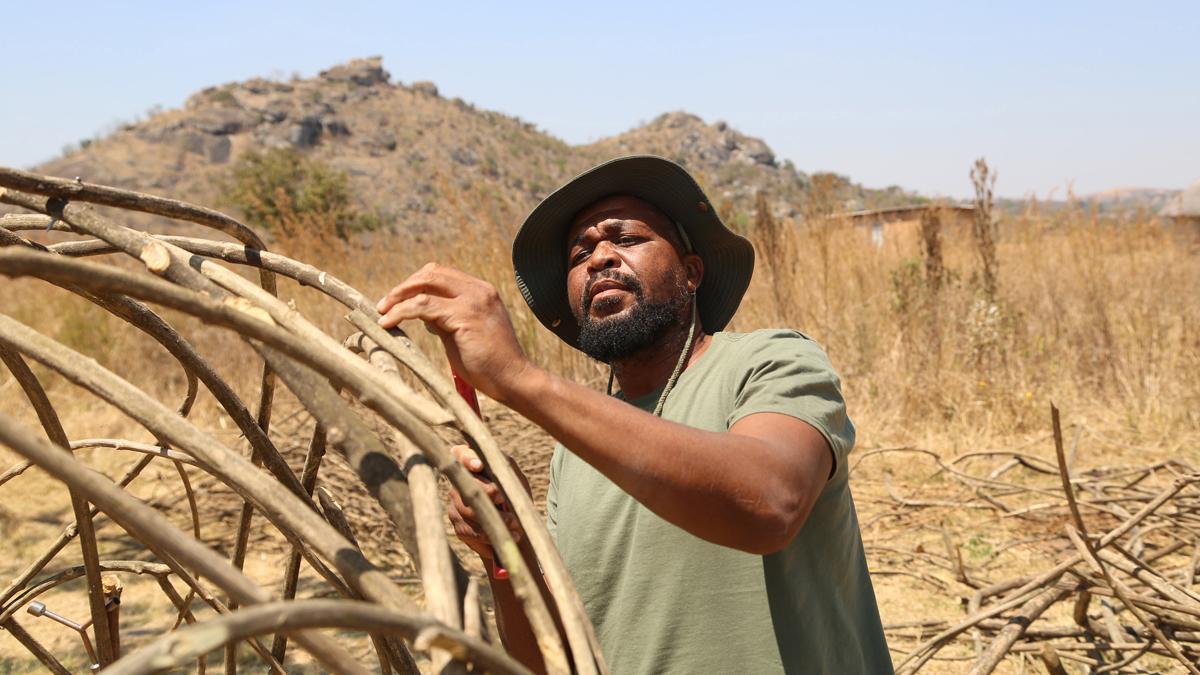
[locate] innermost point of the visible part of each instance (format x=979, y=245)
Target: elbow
x=776, y=524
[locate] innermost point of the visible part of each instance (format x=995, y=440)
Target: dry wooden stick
x=1079, y=537
x=153, y=529
x=104, y=638
x=177, y=648
x=1015, y=628
x=308, y=479
x=39, y=652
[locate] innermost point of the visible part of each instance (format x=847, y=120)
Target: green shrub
x=290, y=194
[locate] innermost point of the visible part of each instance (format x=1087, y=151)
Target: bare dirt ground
x=913, y=518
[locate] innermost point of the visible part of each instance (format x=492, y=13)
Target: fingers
x=431, y=309
x=468, y=528
x=432, y=294
x=464, y=518
x=467, y=457
x=433, y=279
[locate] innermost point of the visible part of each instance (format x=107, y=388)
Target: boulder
x=306, y=132
x=222, y=121
x=363, y=72
x=425, y=87
x=276, y=110
x=676, y=119
x=754, y=151
x=192, y=142
x=217, y=149
x=336, y=127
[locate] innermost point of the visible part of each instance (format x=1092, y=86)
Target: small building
x=1184, y=209
x=880, y=220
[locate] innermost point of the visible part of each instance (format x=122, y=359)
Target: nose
x=603, y=257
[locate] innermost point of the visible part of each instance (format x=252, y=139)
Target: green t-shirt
x=666, y=601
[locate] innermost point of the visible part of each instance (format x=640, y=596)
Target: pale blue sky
x=1098, y=94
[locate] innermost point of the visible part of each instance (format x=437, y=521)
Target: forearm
x=515, y=631
x=729, y=489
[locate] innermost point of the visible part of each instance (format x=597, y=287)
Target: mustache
x=627, y=280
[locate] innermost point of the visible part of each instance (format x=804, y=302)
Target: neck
x=649, y=369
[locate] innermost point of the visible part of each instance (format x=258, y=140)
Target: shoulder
x=765, y=336
x=748, y=350
x=785, y=371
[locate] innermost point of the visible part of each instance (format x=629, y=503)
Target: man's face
x=628, y=279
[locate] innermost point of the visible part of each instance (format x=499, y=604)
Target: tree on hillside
x=291, y=194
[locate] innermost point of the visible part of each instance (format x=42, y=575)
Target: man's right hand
x=463, y=517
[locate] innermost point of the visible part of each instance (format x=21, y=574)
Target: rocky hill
x=411, y=154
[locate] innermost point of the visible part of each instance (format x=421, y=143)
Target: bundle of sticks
x=1117, y=594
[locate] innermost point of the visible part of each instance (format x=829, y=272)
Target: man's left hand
x=469, y=317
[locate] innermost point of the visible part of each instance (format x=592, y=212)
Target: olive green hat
x=539, y=250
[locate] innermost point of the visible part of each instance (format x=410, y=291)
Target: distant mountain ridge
x=1151, y=199
x=410, y=153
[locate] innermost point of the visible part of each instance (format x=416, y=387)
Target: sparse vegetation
x=951, y=337
x=292, y=195
x=1097, y=318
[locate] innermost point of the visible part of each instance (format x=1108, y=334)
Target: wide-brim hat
x=540, y=256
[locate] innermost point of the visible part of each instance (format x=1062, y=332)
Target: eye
x=627, y=240
x=579, y=256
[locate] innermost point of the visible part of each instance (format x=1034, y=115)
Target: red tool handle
x=467, y=392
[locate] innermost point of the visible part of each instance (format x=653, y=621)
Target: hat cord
x=687, y=348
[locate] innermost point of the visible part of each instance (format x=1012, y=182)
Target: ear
x=693, y=269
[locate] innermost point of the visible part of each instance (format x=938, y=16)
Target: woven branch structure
x=337, y=383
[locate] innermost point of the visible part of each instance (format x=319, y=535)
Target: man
x=704, y=511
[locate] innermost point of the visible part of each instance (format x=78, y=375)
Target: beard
x=613, y=338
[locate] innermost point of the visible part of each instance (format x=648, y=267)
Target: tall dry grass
x=1101, y=316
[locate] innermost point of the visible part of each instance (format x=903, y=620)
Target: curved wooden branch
x=154, y=530
x=111, y=444
x=63, y=539
x=37, y=588
x=80, y=191
x=176, y=649
x=105, y=652
x=208, y=291
x=308, y=478
x=581, y=635
x=46, y=658
x=295, y=519
x=441, y=573
x=359, y=378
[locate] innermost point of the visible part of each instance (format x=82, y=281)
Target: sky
x=1083, y=96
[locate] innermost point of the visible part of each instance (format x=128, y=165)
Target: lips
x=609, y=280
x=605, y=285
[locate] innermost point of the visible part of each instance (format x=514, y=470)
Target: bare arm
x=751, y=488
x=515, y=631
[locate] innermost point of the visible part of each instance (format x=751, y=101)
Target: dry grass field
x=1099, y=316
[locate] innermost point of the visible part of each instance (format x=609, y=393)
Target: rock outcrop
x=409, y=152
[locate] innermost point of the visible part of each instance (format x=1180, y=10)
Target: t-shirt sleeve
x=787, y=372
x=552, y=494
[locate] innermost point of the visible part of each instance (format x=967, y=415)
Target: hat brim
x=539, y=249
